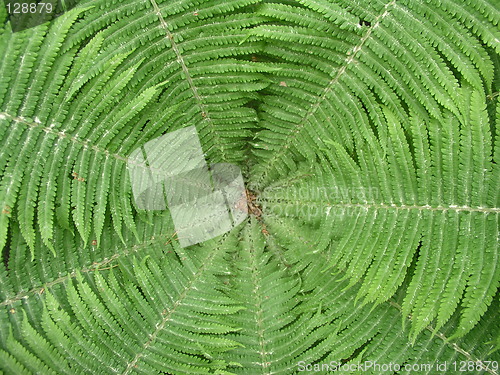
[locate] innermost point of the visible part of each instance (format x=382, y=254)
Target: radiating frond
x=368, y=136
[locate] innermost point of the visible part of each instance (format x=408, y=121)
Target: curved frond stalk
x=368, y=136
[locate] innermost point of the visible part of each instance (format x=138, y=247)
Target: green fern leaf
x=368, y=137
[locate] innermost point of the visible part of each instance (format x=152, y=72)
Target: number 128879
x=26, y=8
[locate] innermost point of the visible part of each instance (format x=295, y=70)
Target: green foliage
x=369, y=131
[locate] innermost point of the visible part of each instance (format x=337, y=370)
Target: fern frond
x=87, y=157
x=367, y=133
x=90, y=307
x=398, y=220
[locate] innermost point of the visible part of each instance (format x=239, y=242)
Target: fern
x=368, y=136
